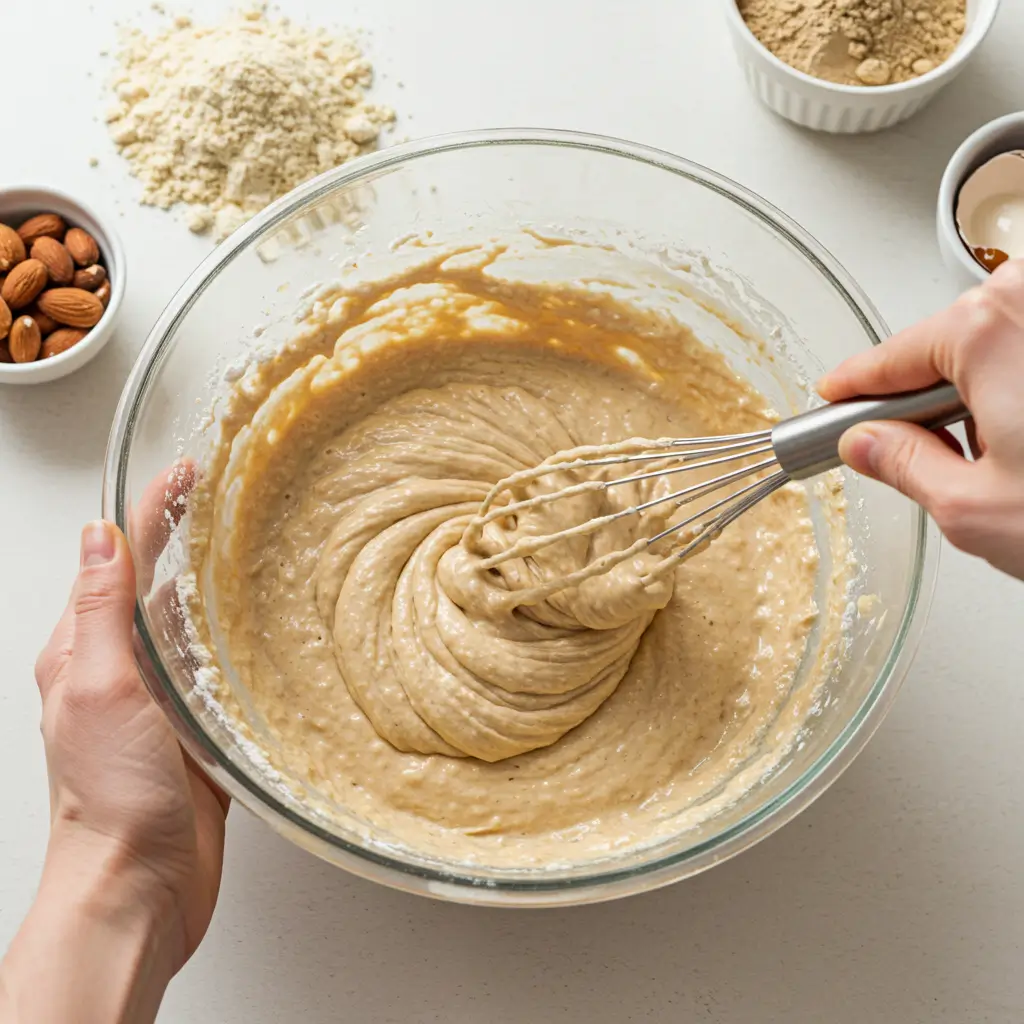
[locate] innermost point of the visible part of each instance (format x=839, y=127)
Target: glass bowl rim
x=602, y=883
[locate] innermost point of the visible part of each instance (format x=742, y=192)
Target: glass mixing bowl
x=779, y=285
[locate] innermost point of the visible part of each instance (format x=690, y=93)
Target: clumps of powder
x=858, y=42
x=229, y=117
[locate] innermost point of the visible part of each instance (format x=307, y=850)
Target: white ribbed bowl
x=828, y=107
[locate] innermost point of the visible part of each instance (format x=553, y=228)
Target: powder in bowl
x=858, y=42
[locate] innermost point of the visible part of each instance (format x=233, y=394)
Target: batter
x=460, y=711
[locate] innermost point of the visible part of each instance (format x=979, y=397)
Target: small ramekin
x=998, y=136
x=17, y=204
x=828, y=107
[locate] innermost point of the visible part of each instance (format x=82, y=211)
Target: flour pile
x=228, y=118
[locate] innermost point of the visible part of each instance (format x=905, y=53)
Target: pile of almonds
x=53, y=288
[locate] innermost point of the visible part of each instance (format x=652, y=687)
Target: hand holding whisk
x=794, y=449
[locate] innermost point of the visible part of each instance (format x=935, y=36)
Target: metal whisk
x=793, y=449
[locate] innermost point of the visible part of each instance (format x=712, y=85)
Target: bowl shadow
x=910, y=157
x=64, y=423
x=850, y=913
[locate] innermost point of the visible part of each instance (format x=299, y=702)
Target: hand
x=977, y=344
x=117, y=773
x=137, y=831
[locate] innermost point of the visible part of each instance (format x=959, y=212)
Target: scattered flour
x=227, y=118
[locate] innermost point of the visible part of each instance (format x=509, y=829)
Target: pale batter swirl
x=422, y=694
x=439, y=654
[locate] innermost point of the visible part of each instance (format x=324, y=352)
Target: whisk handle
x=808, y=444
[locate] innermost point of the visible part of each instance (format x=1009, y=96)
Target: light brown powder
x=858, y=42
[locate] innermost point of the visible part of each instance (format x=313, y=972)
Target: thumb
x=104, y=603
x=913, y=460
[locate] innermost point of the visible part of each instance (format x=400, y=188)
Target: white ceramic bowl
x=828, y=107
x=17, y=204
x=996, y=137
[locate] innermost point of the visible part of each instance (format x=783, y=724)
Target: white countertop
x=898, y=897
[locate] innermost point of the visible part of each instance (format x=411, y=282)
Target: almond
x=25, y=340
x=24, y=283
x=73, y=307
x=91, y=278
x=103, y=293
x=5, y=319
x=55, y=258
x=46, y=323
x=60, y=341
x=42, y=225
x=12, y=248
x=82, y=247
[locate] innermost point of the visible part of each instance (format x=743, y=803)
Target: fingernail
x=98, y=544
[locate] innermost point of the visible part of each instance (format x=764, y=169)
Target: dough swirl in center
x=438, y=653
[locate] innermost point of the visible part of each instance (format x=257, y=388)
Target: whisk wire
x=754, y=493
x=686, y=466
x=756, y=485
x=694, y=491
x=488, y=515
x=800, y=447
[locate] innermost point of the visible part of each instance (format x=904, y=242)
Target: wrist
x=96, y=945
